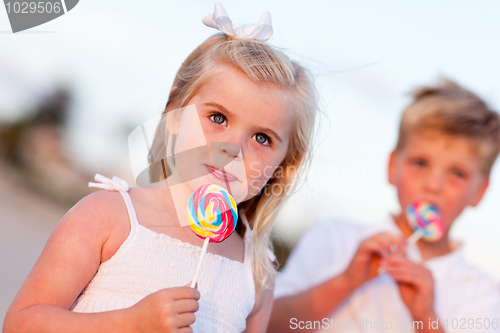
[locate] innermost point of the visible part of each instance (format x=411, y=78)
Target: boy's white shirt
x=461, y=290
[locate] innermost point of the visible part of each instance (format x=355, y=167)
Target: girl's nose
x=223, y=153
x=232, y=150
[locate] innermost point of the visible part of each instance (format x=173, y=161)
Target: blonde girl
x=120, y=261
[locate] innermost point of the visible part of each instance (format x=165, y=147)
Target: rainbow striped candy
x=212, y=213
x=426, y=218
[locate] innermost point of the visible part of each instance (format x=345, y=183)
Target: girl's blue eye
x=262, y=139
x=218, y=118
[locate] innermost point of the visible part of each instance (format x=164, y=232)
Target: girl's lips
x=222, y=175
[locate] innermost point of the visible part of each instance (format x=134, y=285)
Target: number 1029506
x=33, y=7
x=471, y=323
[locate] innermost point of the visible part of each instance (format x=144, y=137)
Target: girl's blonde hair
x=262, y=64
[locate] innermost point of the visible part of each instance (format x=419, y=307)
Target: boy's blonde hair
x=291, y=82
x=451, y=109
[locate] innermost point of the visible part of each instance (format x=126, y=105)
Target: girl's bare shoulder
x=101, y=215
x=102, y=208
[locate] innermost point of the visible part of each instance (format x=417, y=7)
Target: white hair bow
x=219, y=20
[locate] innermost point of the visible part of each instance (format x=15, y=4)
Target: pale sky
x=120, y=58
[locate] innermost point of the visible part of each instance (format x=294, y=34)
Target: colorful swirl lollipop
x=425, y=219
x=212, y=214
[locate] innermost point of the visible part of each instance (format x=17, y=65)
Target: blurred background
x=72, y=90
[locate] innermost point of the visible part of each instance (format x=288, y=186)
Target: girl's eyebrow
x=218, y=106
x=226, y=111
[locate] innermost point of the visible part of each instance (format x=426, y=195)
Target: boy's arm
x=317, y=303
x=310, y=305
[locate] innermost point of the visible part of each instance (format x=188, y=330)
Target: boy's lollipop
x=212, y=214
x=425, y=219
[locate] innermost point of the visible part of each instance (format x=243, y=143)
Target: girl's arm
x=258, y=319
x=89, y=233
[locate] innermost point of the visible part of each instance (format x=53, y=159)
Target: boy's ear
x=480, y=193
x=172, y=90
x=391, y=168
x=170, y=108
x=170, y=119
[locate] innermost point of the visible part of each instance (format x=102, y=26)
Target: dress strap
x=114, y=183
x=248, y=231
x=120, y=185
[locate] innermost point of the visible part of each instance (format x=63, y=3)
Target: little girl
x=114, y=265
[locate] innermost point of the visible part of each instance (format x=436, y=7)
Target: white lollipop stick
x=415, y=237
x=203, y=251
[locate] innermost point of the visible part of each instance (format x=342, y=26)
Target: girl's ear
x=480, y=192
x=391, y=169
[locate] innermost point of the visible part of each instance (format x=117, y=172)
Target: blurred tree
x=34, y=146
x=53, y=111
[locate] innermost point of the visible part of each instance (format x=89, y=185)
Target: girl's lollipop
x=212, y=214
x=425, y=219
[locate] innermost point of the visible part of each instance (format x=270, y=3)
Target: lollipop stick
x=414, y=238
x=203, y=250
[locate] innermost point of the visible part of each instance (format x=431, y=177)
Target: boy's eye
x=458, y=173
x=419, y=162
x=262, y=139
x=218, y=118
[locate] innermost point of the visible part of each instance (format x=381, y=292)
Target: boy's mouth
x=220, y=174
x=428, y=201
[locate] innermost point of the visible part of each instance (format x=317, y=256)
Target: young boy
x=352, y=278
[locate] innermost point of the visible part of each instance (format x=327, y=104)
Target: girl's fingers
x=187, y=305
x=185, y=292
x=186, y=329
x=185, y=319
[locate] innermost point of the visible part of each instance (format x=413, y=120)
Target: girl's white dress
x=148, y=261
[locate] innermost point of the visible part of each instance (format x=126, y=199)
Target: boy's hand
x=416, y=285
x=366, y=262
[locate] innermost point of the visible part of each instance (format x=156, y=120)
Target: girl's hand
x=416, y=285
x=167, y=310
x=366, y=262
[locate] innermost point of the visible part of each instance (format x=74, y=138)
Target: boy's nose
x=434, y=182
